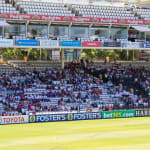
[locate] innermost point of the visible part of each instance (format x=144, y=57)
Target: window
x=15, y=29
x=118, y=33
x=37, y=30
x=99, y=32
x=79, y=32
x=56, y=31
x=1, y=31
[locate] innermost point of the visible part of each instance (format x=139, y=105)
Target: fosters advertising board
x=64, y=117
x=118, y=114
x=14, y=119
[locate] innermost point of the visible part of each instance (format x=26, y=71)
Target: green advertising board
x=118, y=114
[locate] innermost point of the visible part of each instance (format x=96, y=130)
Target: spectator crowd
x=76, y=88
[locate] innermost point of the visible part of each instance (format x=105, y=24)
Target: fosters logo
x=70, y=116
x=32, y=118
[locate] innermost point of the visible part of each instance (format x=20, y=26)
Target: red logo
x=66, y=18
x=3, y=16
x=92, y=44
x=36, y=17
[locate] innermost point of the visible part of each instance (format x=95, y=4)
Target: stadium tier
x=36, y=87
x=31, y=20
x=104, y=12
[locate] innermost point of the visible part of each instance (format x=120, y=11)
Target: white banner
x=51, y=43
x=6, y=43
x=14, y=119
x=132, y=45
x=55, y=55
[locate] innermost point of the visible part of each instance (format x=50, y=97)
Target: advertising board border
x=71, y=116
x=65, y=117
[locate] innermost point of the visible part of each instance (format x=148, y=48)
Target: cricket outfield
x=114, y=134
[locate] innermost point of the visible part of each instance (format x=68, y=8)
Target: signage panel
x=91, y=44
x=142, y=113
x=146, y=45
x=118, y=114
x=71, y=43
x=73, y=19
x=51, y=43
x=27, y=42
x=14, y=119
x=112, y=44
x=64, y=117
x=6, y=43
x=132, y=45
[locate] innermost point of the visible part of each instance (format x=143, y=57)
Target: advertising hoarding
x=118, y=114
x=112, y=44
x=142, y=113
x=27, y=42
x=73, y=19
x=50, y=43
x=146, y=44
x=71, y=43
x=64, y=117
x=91, y=44
x=6, y=43
x=14, y=119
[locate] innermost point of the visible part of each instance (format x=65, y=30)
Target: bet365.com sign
x=118, y=114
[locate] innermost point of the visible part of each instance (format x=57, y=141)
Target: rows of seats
x=132, y=78
x=103, y=12
x=7, y=69
x=2, y=1
x=39, y=3
x=101, y=7
x=54, y=90
x=7, y=8
x=143, y=13
x=42, y=94
x=44, y=8
x=38, y=66
x=59, y=9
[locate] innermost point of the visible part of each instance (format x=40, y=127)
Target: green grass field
x=115, y=134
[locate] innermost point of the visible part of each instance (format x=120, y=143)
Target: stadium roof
x=142, y=28
x=4, y=24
